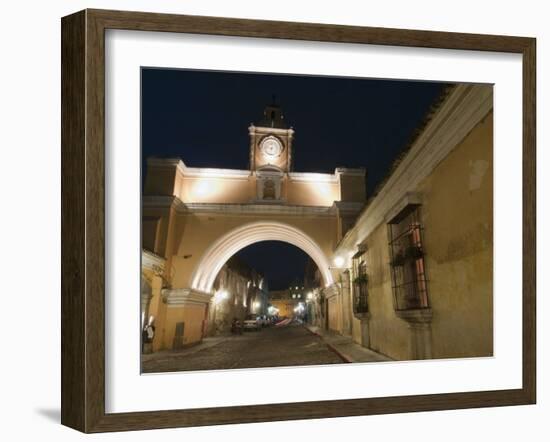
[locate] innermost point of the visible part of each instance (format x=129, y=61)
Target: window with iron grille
x=408, y=268
x=360, y=283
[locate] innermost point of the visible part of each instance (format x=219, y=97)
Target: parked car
x=251, y=322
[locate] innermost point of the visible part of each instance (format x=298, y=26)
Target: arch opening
x=237, y=239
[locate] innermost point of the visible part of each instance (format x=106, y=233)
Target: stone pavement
x=184, y=352
x=346, y=348
x=287, y=345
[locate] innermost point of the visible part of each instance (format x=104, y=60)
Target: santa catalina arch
x=195, y=219
x=217, y=255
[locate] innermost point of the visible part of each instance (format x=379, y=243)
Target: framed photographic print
x=269, y=220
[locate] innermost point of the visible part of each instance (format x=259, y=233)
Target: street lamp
x=220, y=296
x=339, y=261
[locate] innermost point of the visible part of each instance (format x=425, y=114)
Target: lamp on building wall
x=339, y=262
x=220, y=296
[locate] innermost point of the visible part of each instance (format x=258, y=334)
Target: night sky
x=203, y=118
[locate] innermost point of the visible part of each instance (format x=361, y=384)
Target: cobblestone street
x=289, y=345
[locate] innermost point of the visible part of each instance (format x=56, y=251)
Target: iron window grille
x=408, y=269
x=360, y=284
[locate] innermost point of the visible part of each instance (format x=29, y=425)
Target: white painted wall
x=29, y=179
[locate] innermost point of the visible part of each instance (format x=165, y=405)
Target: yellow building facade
x=417, y=267
x=289, y=302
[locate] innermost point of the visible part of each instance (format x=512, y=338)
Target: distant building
x=290, y=302
x=239, y=291
x=313, y=286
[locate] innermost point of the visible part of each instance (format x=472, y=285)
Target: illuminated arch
x=225, y=247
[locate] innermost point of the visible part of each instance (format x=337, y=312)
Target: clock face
x=271, y=147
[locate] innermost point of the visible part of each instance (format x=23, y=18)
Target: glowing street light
x=339, y=261
x=220, y=296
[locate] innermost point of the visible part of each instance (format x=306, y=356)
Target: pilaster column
x=420, y=329
x=347, y=308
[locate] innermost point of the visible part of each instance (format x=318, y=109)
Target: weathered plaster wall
x=334, y=309
x=216, y=190
x=388, y=334
x=193, y=315
x=311, y=193
x=456, y=213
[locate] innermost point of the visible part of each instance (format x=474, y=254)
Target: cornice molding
x=358, y=171
x=312, y=177
x=349, y=206
x=466, y=106
x=209, y=172
x=274, y=209
x=228, y=208
x=331, y=291
x=162, y=202
x=165, y=162
x=253, y=129
x=409, y=199
x=180, y=297
x=151, y=261
x=416, y=316
x=197, y=172
x=206, y=172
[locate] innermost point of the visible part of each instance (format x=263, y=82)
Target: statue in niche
x=269, y=190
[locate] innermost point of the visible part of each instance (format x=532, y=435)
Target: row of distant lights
x=338, y=262
x=222, y=295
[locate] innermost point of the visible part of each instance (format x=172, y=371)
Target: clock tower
x=271, y=141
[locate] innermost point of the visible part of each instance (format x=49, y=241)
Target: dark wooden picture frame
x=83, y=220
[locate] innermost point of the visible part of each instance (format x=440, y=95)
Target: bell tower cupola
x=271, y=141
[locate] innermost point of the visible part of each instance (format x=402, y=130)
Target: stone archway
x=223, y=248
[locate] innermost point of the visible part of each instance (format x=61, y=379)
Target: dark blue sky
x=203, y=118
